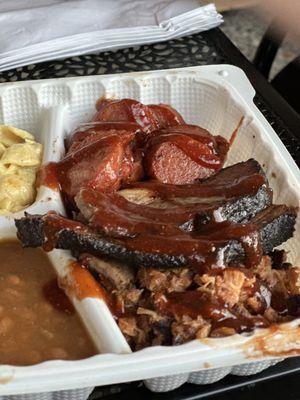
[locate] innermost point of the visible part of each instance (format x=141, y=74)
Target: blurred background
x=245, y=29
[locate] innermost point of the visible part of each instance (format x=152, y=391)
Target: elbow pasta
x=20, y=159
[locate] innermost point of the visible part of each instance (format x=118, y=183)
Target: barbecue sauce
x=118, y=217
x=242, y=186
x=57, y=297
x=196, y=150
x=206, y=249
x=195, y=303
x=81, y=284
x=166, y=115
x=126, y=110
x=202, y=251
x=53, y=225
x=47, y=176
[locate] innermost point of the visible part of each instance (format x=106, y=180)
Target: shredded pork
x=266, y=294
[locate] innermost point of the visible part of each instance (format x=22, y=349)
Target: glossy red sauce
x=101, y=157
x=109, y=152
x=196, y=150
x=47, y=176
x=57, y=297
x=197, y=133
x=205, y=250
x=53, y=225
x=153, y=116
x=83, y=168
x=184, y=153
x=126, y=110
x=242, y=186
x=166, y=115
x=235, y=132
x=81, y=284
x=194, y=303
x=91, y=132
x=115, y=215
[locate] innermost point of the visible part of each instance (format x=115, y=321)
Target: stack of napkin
x=40, y=30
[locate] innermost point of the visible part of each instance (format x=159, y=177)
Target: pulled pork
x=173, y=306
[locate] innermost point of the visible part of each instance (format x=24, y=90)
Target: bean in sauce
x=37, y=321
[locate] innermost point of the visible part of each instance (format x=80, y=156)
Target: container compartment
x=215, y=97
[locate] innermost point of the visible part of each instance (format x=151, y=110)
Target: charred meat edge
x=275, y=224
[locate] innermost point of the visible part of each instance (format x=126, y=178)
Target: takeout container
x=215, y=97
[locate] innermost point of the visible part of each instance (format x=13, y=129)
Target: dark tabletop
x=213, y=47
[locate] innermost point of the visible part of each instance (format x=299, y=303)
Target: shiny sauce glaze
x=80, y=283
x=98, y=154
x=197, y=143
x=127, y=110
x=54, y=225
x=109, y=152
x=91, y=132
x=194, y=303
x=206, y=249
x=183, y=154
x=149, y=117
x=202, y=250
x=47, y=176
x=211, y=187
x=116, y=216
x=37, y=321
x=166, y=115
x=96, y=165
x=198, y=151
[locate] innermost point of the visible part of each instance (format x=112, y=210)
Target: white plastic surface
x=215, y=97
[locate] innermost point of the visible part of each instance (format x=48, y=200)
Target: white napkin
x=39, y=30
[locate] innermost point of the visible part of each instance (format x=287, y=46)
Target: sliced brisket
x=274, y=227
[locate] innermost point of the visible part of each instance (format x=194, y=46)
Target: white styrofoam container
x=215, y=97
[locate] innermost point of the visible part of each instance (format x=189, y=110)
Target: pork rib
x=139, y=210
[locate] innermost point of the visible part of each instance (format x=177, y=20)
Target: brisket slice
x=278, y=223
x=274, y=225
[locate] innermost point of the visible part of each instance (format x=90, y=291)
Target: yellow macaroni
x=20, y=159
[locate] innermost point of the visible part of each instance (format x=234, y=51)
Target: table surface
x=211, y=47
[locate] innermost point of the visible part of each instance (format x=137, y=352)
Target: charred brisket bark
x=275, y=226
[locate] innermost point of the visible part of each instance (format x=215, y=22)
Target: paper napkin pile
x=40, y=30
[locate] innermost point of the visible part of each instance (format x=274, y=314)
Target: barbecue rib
x=129, y=212
x=113, y=215
x=275, y=226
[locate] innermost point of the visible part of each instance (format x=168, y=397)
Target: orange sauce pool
x=37, y=321
x=81, y=284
